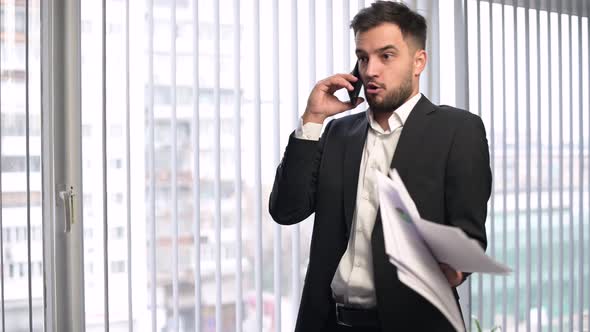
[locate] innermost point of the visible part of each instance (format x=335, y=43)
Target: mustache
x=374, y=84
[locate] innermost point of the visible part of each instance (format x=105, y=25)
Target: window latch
x=67, y=196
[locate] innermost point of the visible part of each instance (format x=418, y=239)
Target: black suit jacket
x=442, y=156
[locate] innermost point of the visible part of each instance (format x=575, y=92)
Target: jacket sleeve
x=293, y=193
x=468, y=179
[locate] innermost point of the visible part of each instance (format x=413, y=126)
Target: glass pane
x=14, y=162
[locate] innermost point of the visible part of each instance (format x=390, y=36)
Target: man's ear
x=420, y=59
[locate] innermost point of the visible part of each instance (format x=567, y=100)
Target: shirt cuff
x=309, y=131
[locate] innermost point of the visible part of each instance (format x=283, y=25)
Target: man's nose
x=372, y=69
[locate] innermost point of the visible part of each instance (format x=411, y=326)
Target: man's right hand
x=322, y=103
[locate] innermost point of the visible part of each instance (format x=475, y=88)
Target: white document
x=416, y=247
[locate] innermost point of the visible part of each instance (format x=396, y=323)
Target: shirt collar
x=398, y=117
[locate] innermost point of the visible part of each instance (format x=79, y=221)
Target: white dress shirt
x=353, y=281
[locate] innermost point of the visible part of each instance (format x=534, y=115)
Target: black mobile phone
x=354, y=94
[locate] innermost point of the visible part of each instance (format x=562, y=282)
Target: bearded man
x=440, y=152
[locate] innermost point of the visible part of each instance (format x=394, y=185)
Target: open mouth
x=373, y=88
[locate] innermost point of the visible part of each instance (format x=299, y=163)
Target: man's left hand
x=454, y=277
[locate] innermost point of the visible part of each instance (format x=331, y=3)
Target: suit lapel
x=353, y=152
x=411, y=137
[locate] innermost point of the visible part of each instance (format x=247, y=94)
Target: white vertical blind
x=480, y=101
x=587, y=106
x=27, y=168
x=151, y=169
x=540, y=163
x=571, y=241
x=104, y=167
x=217, y=158
x=539, y=173
x=257, y=166
x=195, y=132
x=277, y=270
x=329, y=38
x=528, y=254
x=174, y=168
x=238, y=164
x=580, y=8
x=1, y=208
x=550, y=156
x=295, y=249
x=492, y=145
x=504, y=166
x=128, y=166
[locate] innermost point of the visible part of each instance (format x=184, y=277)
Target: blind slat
x=174, y=167
x=492, y=159
x=105, y=226
x=27, y=168
x=196, y=165
x=1, y=219
x=528, y=259
x=296, y=281
x=128, y=173
x=516, y=171
x=346, y=33
x=217, y=156
x=312, y=42
x=151, y=167
x=435, y=51
x=257, y=166
x=329, y=39
x=238, y=164
x=550, y=166
x=539, y=173
x=572, y=284
x=580, y=174
x=561, y=269
x=504, y=166
x=588, y=145
x=480, y=315
x=276, y=156
x=1, y=205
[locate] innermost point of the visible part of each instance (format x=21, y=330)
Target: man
x=440, y=152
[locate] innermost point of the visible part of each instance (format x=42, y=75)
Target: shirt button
x=357, y=264
x=359, y=229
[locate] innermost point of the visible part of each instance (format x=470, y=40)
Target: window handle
x=67, y=196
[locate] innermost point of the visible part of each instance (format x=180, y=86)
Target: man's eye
x=387, y=56
x=362, y=59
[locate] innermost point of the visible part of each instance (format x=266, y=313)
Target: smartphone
x=354, y=94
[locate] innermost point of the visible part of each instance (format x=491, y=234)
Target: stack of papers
x=417, y=246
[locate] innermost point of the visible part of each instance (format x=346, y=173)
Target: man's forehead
x=379, y=37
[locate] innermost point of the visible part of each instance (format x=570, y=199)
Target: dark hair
x=410, y=23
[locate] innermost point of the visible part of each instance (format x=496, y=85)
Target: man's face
x=388, y=66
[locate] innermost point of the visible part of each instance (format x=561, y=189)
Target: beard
x=392, y=99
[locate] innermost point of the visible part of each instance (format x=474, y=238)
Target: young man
x=440, y=152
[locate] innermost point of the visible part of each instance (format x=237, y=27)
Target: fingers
x=322, y=102
x=454, y=277
x=346, y=106
x=337, y=82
